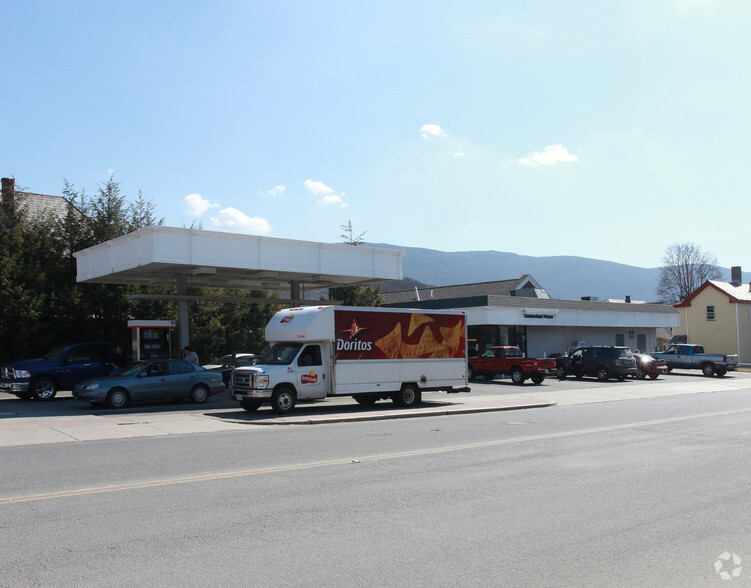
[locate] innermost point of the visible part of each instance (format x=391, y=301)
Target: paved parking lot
x=65, y=420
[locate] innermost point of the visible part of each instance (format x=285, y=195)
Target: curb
x=382, y=416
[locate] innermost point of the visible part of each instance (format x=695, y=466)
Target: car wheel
x=250, y=405
x=538, y=379
x=199, y=394
x=707, y=369
x=517, y=376
x=603, y=374
x=283, y=400
x=640, y=374
x=408, y=396
x=561, y=373
x=43, y=388
x=471, y=373
x=366, y=399
x=117, y=398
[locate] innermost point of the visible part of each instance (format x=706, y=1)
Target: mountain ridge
x=563, y=276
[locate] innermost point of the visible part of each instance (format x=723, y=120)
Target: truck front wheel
x=408, y=396
x=517, y=376
x=43, y=388
x=707, y=369
x=283, y=400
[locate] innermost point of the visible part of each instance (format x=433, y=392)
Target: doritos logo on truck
x=399, y=335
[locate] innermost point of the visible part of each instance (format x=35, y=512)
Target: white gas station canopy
x=160, y=255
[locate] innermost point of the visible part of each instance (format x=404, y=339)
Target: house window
x=710, y=313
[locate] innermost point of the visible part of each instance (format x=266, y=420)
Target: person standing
x=190, y=356
x=118, y=361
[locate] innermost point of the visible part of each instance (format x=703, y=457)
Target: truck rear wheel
x=408, y=396
x=283, y=400
x=707, y=369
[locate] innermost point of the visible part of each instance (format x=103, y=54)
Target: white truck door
x=312, y=373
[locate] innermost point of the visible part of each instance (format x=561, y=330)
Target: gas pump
x=151, y=339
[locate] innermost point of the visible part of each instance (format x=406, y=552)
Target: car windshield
x=132, y=369
x=54, y=353
x=280, y=354
x=223, y=360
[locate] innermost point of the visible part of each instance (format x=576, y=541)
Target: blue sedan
x=144, y=381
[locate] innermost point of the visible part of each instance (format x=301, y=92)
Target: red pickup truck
x=510, y=361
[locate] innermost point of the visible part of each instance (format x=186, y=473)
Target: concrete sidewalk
x=228, y=416
x=69, y=429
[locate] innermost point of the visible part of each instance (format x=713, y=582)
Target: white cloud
x=276, y=190
x=329, y=196
x=428, y=131
x=548, y=156
x=332, y=199
x=231, y=219
x=317, y=187
x=196, y=204
x=460, y=154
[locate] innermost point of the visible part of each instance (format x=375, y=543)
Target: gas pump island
x=151, y=339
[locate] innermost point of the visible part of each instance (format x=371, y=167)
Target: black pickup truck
x=59, y=369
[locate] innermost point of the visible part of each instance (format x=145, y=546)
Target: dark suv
x=600, y=361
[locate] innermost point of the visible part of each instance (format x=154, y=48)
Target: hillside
x=565, y=277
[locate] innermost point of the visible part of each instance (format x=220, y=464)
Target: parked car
x=693, y=357
x=509, y=360
x=646, y=365
x=143, y=381
x=59, y=369
x=601, y=361
x=227, y=364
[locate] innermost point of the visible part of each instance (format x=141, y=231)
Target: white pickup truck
x=692, y=357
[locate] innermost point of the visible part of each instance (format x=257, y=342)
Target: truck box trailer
x=366, y=353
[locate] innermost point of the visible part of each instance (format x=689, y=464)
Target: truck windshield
x=54, y=353
x=280, y=354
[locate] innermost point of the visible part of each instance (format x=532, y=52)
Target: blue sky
x=598, y=128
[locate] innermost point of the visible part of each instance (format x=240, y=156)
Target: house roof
x=497, y=288
x=736, y=294
x=38, y=205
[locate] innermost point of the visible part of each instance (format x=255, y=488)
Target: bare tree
x=685, y=267
x=360, y=295
x=348, y=235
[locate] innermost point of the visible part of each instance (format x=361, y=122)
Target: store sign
x=538, y=315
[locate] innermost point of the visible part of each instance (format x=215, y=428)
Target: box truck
x=367, y=353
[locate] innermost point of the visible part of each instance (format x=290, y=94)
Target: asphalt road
x=644, y=492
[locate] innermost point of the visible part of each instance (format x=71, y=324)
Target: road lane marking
x=349, y=460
